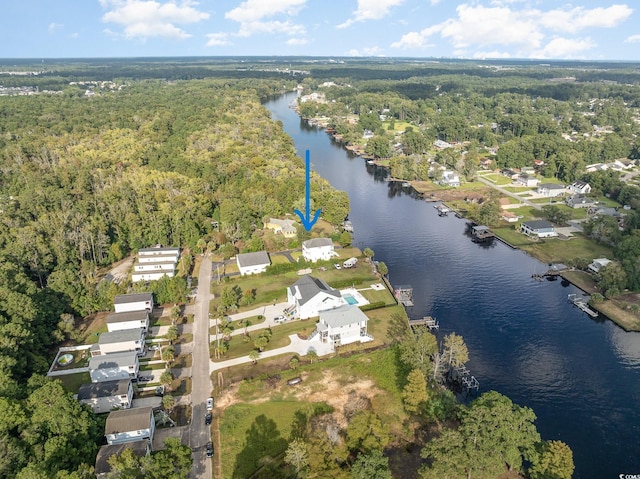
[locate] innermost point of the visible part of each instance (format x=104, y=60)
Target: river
x=580, y=376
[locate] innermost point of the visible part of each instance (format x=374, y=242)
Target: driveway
x=508, y=193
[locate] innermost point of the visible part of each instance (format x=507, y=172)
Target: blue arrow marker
x=307, y=222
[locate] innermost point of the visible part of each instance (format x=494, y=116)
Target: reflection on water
x=581, y=376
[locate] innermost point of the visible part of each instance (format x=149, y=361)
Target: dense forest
x=88, y=179
x=182, y=153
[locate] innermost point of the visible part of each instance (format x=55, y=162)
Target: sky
x=473, y=29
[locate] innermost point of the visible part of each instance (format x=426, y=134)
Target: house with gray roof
x=253, y=263
x=129, y=425
x=286, y=227
x=110, y=367
x=551, y=190
x=343, y=325
x=107, y=395
x=539, y=228
x=102, y=467
x=128, y=320
x=580, y=201
x=308, y=296
x=318, y=249
x=124, y=303
x=120, y=342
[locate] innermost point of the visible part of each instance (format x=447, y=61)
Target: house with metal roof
x=551, y=189
x=110, y=367
x=344, y=325
x=253, y=263
x=308, y=296
x=107, y=395
x=129, y=425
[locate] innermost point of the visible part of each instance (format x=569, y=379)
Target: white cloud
x=217, y=39
x=54, y=26
x=74, y=35
x=633, y=39
x=253, y=28
x=576, y=19
x=521, y=30
x=297, y=41
x=560, y=47
x=371, y=10
x=255, y=10
x=152, y=18
x=365, y=52
x=492, y=54
x=253, y=14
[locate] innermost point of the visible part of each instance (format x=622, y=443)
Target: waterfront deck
x=427, y=321
x=404, y=295
x=582, y=303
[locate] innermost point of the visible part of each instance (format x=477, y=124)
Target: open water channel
x=581, y=376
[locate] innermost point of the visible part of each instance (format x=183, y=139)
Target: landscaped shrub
x=376, y=305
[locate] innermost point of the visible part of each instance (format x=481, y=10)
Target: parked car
x=159, y=391
x=208, y=418
x=337, y=266
x=145, y=379
x=209, y=449
x=280, y=319
x=209, y=404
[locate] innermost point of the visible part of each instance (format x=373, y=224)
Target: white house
x=344, y=325
x=527, y=180
x=102, y=467
x=308, y=296
x=106, y=396
x=580, y=187
x=115, y=366
x=159, y=251
x=551, y=190
x=597, y=264
x=128, y=320
x=253, y=263
x=120, y=342
x=129, y=425
x=450, y=178
x=154, y=263
x=124, y=303
x=539, y=228
x=318, y=249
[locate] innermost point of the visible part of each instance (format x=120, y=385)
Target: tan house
x=286, y=227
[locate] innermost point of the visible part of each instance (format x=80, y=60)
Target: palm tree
x=312, y=355
x=254, y=355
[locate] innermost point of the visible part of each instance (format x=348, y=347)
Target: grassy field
x=264, y=413
x=238, y=347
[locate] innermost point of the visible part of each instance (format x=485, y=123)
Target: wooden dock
x=583, y=304
x=427, y=321
x=404, y=295
x=481, y=234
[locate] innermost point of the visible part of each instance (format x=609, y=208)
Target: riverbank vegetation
x=387, y=409
x=556, y=124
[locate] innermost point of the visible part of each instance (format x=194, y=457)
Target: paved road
x=199, y=433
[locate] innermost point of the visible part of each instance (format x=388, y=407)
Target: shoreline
x=610, y=308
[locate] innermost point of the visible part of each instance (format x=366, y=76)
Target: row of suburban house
x=115, y=357
x=154, y=263
x=113, y=365
x=313, y=250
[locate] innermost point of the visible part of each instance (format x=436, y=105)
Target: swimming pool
x=350, y=299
